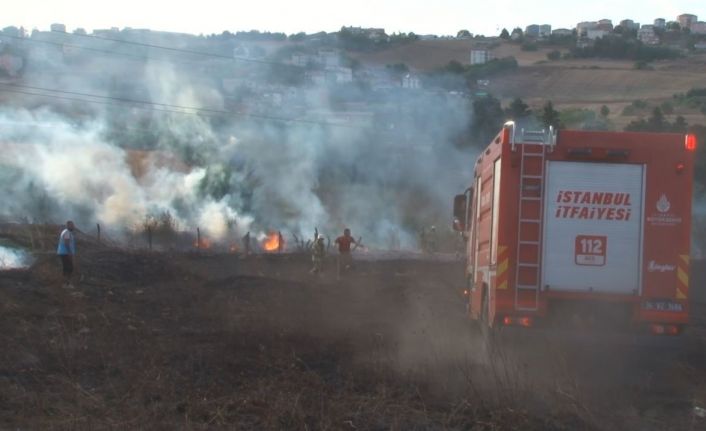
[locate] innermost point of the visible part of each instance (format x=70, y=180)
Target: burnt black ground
x=215, y=341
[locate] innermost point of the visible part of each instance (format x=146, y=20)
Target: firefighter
x=317, y=255
x=345, y=261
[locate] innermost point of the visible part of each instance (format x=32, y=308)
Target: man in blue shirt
x=66, y=251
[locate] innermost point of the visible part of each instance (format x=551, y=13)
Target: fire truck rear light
x=660, y=329
x=690, y=143
x=525, y=322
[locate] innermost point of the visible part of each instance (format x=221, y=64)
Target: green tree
x=518, y=109
x=656, y=122
x=454, y=67
x=505, y=34
x=550, y=116
x=488, y=118
x=463, y=34
x=605, y=111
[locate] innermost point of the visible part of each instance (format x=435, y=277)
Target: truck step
x=528, y=265
x=533, y=177
x=531, y=198
x=529, y=242
x=528, y=220
x=527, y=287
x=533, y=155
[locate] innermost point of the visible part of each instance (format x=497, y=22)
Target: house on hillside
x=480, y=55
x=411, y=81
x=562, y=32
x=545, y=30
x=605, y=24
x=532, y=30
x=686, y=20
x=647, y=35
x=628, y=24
x=582, y=28
x=60, y=28
x=699, y=27
x=660, y=23
x=596, y=33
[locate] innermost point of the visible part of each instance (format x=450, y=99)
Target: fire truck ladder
x=533, y=148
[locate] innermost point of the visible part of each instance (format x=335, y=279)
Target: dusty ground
x=214, y=341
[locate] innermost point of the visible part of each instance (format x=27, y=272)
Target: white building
x=562, y=32
x=660, y=23
x=411, y=81
x=61, y=28
x=545, y=30
x=646, y=34
x=480, y=56
x=594, y=34
x=583, y=27
x=698, y=27
x=685, y=20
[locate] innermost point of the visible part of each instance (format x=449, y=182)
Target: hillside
x=569, y=83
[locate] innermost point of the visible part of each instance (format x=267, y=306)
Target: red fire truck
x=580, y=225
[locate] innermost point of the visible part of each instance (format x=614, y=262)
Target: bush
x=554, y=55
x=529, y=46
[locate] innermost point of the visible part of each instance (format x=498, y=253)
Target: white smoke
x=13, y=259
x=228, y=174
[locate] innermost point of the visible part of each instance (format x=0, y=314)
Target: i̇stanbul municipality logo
x=663, y=204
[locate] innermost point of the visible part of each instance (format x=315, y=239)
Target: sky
x=441, y=17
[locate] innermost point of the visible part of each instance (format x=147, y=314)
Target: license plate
x=662, y=306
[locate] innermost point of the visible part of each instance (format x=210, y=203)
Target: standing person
x=344, y=251
x=317, y=255
x=67, y=251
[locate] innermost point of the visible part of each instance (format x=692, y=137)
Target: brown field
x=187, y=340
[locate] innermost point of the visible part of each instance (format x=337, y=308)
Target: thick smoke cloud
x=390, y=164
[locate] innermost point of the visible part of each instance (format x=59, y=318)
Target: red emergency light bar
x=690, y=142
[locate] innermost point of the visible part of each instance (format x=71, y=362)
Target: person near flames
x=344, y=250
x=317, y=255
x=66, y=251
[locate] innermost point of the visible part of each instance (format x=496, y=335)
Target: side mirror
x=460, y=204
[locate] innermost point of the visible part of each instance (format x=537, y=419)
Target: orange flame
x=271, y=243
x=205, y=243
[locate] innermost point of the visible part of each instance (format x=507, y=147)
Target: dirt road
x=199, y=341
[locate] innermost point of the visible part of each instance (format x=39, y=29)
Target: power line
x=97, y=50
x=146, y=45
x=148, y=105
x=173, y=49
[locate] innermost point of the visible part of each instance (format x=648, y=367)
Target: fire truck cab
x=579, y=223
